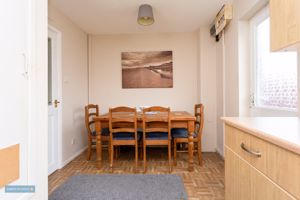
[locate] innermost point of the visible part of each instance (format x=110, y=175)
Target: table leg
x=98, y=142
x=191, y=145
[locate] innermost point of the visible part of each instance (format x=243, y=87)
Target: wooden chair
x=91, y=111
x=156, y=130
x=123, y=130
x=180, y=135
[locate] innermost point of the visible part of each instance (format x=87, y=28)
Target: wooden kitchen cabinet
x=284, y=24
x=244, y=182
x=262, y=158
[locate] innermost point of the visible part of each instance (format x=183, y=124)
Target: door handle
x=56, y=102
x=255, y=153
x=25, y=66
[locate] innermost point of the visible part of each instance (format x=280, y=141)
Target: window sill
x=261, y=111
x=275, y=109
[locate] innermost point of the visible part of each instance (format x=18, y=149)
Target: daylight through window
x=275, y=73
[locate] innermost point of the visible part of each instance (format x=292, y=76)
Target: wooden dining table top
x=174, y=115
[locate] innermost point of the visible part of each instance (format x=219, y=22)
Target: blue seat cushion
x=157, y=136
x=105, y=132
x=126, y=136
x=181, y=133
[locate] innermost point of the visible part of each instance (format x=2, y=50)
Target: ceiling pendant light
x=145, y=16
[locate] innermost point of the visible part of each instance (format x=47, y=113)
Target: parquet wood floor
x=205, y=183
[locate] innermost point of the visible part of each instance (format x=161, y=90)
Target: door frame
x=58, y=62
x=38, y=108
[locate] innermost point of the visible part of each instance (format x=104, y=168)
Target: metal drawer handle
x=257, y=154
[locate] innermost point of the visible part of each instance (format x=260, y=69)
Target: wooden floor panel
x=205, y=183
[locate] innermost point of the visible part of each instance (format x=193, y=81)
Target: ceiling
x=120, y=16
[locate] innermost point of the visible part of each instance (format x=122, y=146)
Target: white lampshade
x=145, y=16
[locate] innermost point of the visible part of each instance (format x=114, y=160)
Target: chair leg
x=115, y=152
x=141, y=150
x=111, y=157
x=109, y=152
x=136, y=157
x=169, y=155
x=195, y=152
x=199, y=153
x=145, y=162
x=118, y=151
x=175, y=152
x=89, y=152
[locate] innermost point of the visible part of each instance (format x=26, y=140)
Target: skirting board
x=64, y=163
x=83, y=149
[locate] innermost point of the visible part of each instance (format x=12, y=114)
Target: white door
x=22, y=89
x=14, y=83
x=53, y=101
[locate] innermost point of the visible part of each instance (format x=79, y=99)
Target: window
x=274, y=74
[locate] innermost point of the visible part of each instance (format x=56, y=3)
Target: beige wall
x=105, y=70
x=74, y=83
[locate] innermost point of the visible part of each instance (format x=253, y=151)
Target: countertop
x=281, y=131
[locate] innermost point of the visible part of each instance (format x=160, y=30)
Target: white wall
x=233, y=68
x=74, y=83
x=234, y=57
x=298, y=81
x=106, y=78
x=220, y=92
x=238, y=65
x=208, y=93
x=236, y=74
x=228, y=74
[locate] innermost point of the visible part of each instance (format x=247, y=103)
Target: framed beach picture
x=152, y=69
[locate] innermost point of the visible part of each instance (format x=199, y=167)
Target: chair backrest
x=156, y=119
x=122, y=120
x=199, y=123
x=91, y=111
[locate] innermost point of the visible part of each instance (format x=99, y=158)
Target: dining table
x=179, y=119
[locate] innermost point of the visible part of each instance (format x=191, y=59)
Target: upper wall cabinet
x=285, y=24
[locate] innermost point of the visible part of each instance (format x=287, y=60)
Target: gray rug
x=117, y=187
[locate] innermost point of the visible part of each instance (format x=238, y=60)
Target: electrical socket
x=73, y=141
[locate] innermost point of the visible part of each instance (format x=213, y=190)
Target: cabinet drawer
x=244, y=182
x=280, y=165
x=234, y=138
x=284, y=168
x=252, y=146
